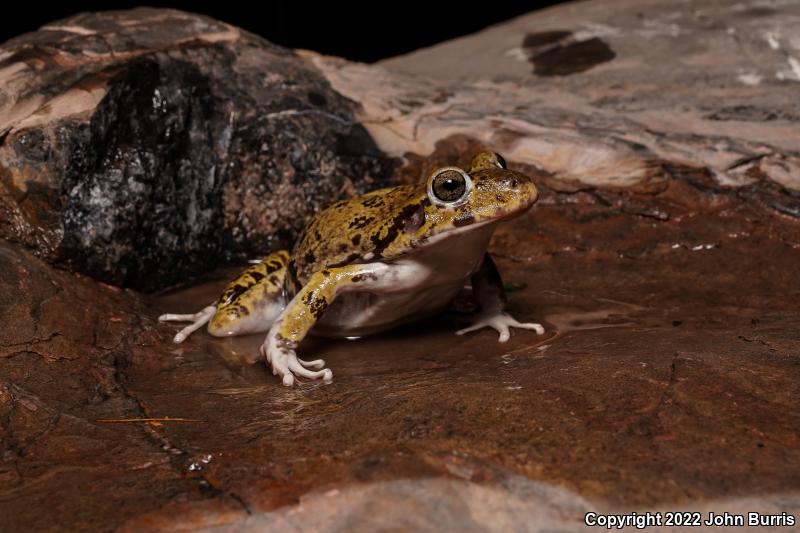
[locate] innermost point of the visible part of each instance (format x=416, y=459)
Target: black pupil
x=449, y=186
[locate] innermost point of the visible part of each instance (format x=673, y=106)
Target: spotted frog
x=373, y=262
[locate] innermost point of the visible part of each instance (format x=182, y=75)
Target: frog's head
x=487, y=192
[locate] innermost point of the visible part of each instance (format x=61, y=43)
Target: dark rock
x=144, y=147
x=661, y=258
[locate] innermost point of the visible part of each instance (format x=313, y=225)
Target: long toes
x=538, y=328
x=179, y=338
x=317, y=364
x=288, y=379
x=298, y=369
x=172, y=317
x=473, y=327
x=528, y=325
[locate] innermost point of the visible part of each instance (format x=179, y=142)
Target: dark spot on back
x=393, y=229
x=257, y=276
x=273, y=266
x=356, y=239
x=233, y=294
x=372, y=201
x=349, y=260
x=361, y=222
x=416, y=220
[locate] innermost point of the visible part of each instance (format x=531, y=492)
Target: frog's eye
x=501, y=161
x=449, y=185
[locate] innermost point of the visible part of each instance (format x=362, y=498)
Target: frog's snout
x=530, y=191
x=522, y=188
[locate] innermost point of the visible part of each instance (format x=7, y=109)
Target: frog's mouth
x=467, y=220
x=513, y=213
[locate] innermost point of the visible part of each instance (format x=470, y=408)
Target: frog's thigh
x=252, y=302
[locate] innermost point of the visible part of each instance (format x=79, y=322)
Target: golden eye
x=449, y=185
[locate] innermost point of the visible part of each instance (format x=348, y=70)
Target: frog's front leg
x=487, y=286
x=305, y=310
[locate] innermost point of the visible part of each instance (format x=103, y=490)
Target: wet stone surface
x=661, y=257
x=668, y=376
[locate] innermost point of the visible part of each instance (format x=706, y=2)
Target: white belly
x=408, y=289
x=363, y=313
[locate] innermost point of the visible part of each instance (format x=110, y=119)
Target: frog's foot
x=284, y=361
x=198, y=320
x=501, y=322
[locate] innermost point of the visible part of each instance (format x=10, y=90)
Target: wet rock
x=63, y=354
x=147, y=146
x=662, y=258
x=666, y=379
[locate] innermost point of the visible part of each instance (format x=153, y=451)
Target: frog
x=374, y=262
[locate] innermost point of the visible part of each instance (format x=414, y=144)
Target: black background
x=362, y=31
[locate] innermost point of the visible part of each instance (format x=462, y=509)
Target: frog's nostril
x=514, y=183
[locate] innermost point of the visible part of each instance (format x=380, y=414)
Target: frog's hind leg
x=252, y=302
x=198, y=320
x=249, y=304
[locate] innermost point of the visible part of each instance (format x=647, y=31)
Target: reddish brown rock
x=668, y=377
